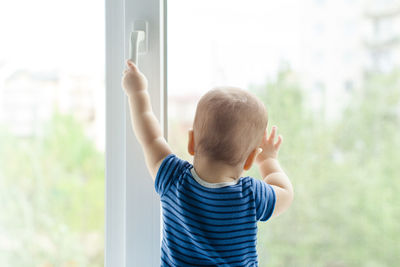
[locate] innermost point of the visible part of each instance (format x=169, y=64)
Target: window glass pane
x=328, y=73
x=51, y=133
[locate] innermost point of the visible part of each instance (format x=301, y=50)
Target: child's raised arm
x=144, y=123
x=272, y=172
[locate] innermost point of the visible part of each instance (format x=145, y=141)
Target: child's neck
x=215, y=172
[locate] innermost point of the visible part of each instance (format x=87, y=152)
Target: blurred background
x=52, y=133
x=328, y=72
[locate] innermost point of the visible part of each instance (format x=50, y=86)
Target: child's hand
x=269, y=147
x=133, y=80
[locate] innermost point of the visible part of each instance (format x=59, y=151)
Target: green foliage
x=346, y=207
x=52, y=195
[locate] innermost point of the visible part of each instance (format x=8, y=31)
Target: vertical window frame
x=132, y=207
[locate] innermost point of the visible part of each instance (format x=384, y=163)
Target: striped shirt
x=209, y=224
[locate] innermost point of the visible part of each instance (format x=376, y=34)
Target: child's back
x=210, y=212
x=210, y=223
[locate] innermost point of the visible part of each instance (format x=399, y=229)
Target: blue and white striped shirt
x=208, y=224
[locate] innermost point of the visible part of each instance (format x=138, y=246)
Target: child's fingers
x=272, y=135
x=131, y=65
x=279, y=142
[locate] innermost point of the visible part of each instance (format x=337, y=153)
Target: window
x=341, y=146
x=52, y=133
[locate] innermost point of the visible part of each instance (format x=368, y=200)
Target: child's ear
x=250, y=159
x=191, y=142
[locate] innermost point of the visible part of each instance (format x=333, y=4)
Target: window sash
x=132, y=206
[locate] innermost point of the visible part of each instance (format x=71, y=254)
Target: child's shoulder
x=248, y=182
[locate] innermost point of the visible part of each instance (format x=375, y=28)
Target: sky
x=210, y=43
x=241, y=42
x=226, y=42
x=45, y=34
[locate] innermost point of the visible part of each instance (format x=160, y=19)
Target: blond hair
x=229, y=124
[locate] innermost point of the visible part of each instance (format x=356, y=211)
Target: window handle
x=136, y=38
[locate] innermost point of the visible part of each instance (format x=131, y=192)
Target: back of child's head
x=229, y=124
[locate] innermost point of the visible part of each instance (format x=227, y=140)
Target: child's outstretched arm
x=144, y=123
x=272, y=172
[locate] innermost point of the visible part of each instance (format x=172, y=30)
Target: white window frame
x=132, y=231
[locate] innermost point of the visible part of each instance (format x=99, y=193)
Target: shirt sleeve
x=168, y=173
x=265, y=199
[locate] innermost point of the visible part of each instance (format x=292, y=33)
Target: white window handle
x=136, y=38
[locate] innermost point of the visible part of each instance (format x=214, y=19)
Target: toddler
x=210, y=212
